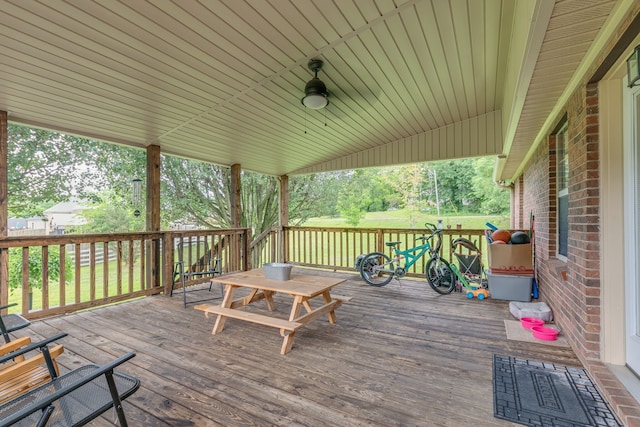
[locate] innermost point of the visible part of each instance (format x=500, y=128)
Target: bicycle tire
x=440, y=276
x=377, y=269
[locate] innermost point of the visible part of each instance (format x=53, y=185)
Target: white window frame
x=562, y=146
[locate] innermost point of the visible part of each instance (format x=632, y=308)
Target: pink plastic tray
x=543, y=333
x=530, y=322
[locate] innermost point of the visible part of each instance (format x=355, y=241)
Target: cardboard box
x=512, y=288
x=511, y=259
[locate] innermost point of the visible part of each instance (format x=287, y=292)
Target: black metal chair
x=72, y=399
x=11, y=322
x=206, y=266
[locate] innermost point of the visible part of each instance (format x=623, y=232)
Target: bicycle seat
x=392, y=244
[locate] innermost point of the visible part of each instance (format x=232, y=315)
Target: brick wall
x=576, y=300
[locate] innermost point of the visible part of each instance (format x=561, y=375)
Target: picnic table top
x=299, y=284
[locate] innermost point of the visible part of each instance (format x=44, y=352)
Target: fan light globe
x=315, y=102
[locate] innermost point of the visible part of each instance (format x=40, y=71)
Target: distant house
x=36, y=223
x=17, y=224
x=65, y=216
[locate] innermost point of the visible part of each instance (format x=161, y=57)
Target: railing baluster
x=105, y=269
x=337, y=248
x=324, y=247
x=143, y=266
x=78, y=292
x=45, y=277
x=92, y=271
x=63, y=276
x=26, y=291
x=131, y=263
x=119, y=268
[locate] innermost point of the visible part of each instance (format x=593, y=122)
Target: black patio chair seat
x=11, y=322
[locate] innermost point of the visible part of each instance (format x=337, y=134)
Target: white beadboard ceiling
x=221, y=80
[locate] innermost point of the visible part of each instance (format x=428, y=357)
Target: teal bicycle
x=378, y=269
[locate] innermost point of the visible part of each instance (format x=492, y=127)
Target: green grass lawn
x=405, y=219
x=85, y=287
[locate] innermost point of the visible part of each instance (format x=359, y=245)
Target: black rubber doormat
x=542, y=394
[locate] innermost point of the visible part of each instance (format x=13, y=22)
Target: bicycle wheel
x=440, y=276
x=377, y=269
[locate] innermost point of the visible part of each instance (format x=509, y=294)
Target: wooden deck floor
x=400, y=355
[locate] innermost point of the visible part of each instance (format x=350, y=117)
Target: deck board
x=398, y=355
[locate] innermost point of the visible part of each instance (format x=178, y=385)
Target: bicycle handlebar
x=434, y=231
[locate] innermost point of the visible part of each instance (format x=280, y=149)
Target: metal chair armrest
x=33, y=346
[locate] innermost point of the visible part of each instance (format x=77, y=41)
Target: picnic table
x=303, y=288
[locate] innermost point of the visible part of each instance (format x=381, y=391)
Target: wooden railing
x=266, y=247
x=337, y=248
x=129, y=265
x=229, y=246
x=63, y=285
x=47, y=275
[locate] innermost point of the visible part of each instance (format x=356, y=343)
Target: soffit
x=576, y=32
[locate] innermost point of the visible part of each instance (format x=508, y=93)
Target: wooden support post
x=4, y=206
x=236, y=210
x=236, y=199
x=153, y=214
x=283, y=208
x=167, y=262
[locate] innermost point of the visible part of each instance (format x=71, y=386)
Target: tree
x=407, y=183
x=455, y=189
x=314, y=195
x=494, y=200
x=48, y=167
x=201, y=192
x=110, y=217
x=35, y=267
x=354, y=197
x=45, y=168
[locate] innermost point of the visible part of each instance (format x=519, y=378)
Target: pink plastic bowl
x=530, y=322
x=542, y=333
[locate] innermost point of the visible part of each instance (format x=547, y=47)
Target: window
x=562, y=182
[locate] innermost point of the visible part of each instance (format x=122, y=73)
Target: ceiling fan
x=316, y=96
